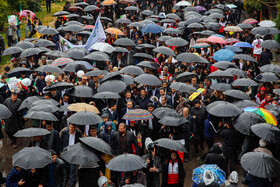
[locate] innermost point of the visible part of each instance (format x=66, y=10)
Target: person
x=233, y=179
x=208, y=180
x=28, y=20
x=261, y=96
x=254, y=181
x=173, y=171
x=104, y=182
x=2, y=47
x=134, y=177
x=52, y=139
x=263, y=147
x=257, y=50
x=143, y=99
x=112, y=112
x=48, y=5
x=17, y=177
x=266, y=57
x=67, y=6
x=107, y=133
x=11, y=34
x=190, y=133
x=269, y=100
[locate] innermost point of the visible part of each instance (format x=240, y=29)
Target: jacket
x=153, y=178
x=14, y=32
x=112, y=116
x=141, y=178
x=64, y=139
x=15, y=176
x=253, y=181
x=130, y=139
x=142, y=102
x=266, y=57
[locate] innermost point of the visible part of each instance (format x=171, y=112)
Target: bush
x=34, y=5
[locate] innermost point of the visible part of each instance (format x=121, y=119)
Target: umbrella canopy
x=172, y=121
x=182, y=87
x=267, y=23
x=12, y=50
x=188, y=57
x=195, y=26
x=273, y=30
x=111, y=76
x=260, y=164
x=127, y=79
x=49, y=68
x=123, y=20
x=85, y=118
x=30, y=52
x=269, y=118
x=97, y=56
x=42, y=101
x=170, y=144
x=267, y=77
x=4, y=112
x=183, y=4
x=164, y=50
x=131, y=8
x=185, y=76
x=215, y=39
x=61, y=61
x=56, y=54
x=81, y=91
x=147, y=79
x=143, y=56
x=106, y=95
x=32, y=157
x=243, y=44
x=276, y=91
x=108, y=2
x=77, y=53
x=124, y=42
x=79, y=154
x=267, y=132
x=134, y=185
x=260, y=31
x=90, y=8
x=137, y=114
x=147, y=64
x=126, y=162
x=44, y=108
x=74, y=67
x=25, y=44
x=152, y=28
x=177, y=41
x=164, y=38
x=73, y=28
x=17, y=71
x=40, y=115
x=58, y=86
x=225, y=109
x=26, y=103
x=221, y=86
x=220, y=74
x=223, y=65
x=237, y=94
x=270, y=68
x=223, y=55
x=44, y=43
x=245, y=121
x=96, y=73
x=147, y=12
x=132, y=70
x=246, y=103
x=173, y=16
x=116, y=86
x=79, y=107
x=270, y=44
x=103, y=47
x=245, y=26
x=250, y=21
x=244, y=82
x=219, y=175
x=61, y=13
x=98, y=144
x=163, y=111
x=31, y=132
x=236, y=71
x=213, y=26
x=231, y=40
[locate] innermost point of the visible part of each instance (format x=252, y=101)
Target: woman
x=173, y=172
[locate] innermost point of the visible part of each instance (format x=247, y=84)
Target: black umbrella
x=44, y=108
x=25, y=45
x=96, y=73
x=39, y=115
x=12, y=50
x=195, y=26
x=132, y=70
x=124, y=42
x=32, y=157
x=131, y=8
x=120, y=50
x=270, y=68
x=216, y=16
x=98, y=144
x=134, y=185
x=44, y=43
x=123, y=20
x=177, y=41
x=182, y=87
x=163, y=111
x=43, y=102
x=61, y=13
x=225, y=110
x=106, y=18
x=111, y=76
x=244, y=82
x=147, y=12
x=143, y=55
x=220, y=74
x=140, y=46
x=170, y=144
x=237, y=94
x=193, y=20
x=270, y=44
x=116, y=86
x=185, y=76
x=49, y=31
x=237, y=72
x=173, y=16
x=126, y=162
x=56, y=54
x=245, y=121
x=4, y=112
x=273, y=30
x=246, y=103
x=31, y=132
x=260, y=31
x=164, y=38
x=207, y=32
x=260, y=164
x=267, y=77
x=73, y=16
x=44, y=49
x=73, y=28
x=74, y=67
x=221, y=86
x=79, y=154
x=172, y=31
x=106, y=95
x=85, y=118
x=76, y=53
x=244, y=57
x=172, y=121
x=58, y=86
x=90, y=8
x=30, y=52
x=27, y=102
x=81, y=91
x=49, y=68
x=213, y=25
x=17, y=71
x=73, y=23
x=164, y=50
x=245, y=26
x=188, y=57
x=127, y=79
x=267, y=132
x=147, y=79
x=135, y=24
x=223, y=65
x=211, y=105
x=147, y=64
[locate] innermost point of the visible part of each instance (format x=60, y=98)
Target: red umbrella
x=23, y=13
x=88, y=27
x=231, y=40
x=215, y=39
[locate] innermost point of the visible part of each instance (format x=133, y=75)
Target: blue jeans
x=28, y=27
x=72, y=177
x=18, y=34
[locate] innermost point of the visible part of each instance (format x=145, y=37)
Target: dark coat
x=65, y=138
x=213, y=184
x=201, y=115
x=265, y=58
x=153, y=178
x=141, y=178
x=15, y=176
x=142, y=102
x=54, y=139
x=88, y=176
x=253, y=181
x=130, y=139
x=112, y=117
x=42, y=144
x=215, y=158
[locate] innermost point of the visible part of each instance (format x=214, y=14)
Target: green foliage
x=4, y=12
x=35, y=5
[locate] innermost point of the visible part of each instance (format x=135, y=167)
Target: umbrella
x=120, y=50
x=98, y=144
x=106, y=95
x=126, y=162
x=188, y=57
x=147, y=79
x=44, y=108
x=223, y=65
x=131, y=8
x=213, y=26
x=140, y=46
x=4, y=112
x=221, y=86
x=215, y=39
x=219, y=175
x=137, y=114
x=147, y=12
x=170, y=144
x=267, y=23
x=237, y=72
x=79, y=154
x=232, y=48
x=266, y=131
x=225, y=110
x=244, y=82
x=185, y=76
x=245, y=26
x=49, y=68
x=164, y=38
x=172, y=121
x=85, y=118
x=134, y=185
x=111, y=76
x=25, y=44
x=73, y=23
x=81, y=91
x=30, y=52
x=127, y=79
x=231, y=6
x=195, y=26
x=81, y=4
x=167, y=21
x=76, y=53
x=164, y=50
x=269, y=118
x=152, y=28
x=124, y=42
x=173, y=16
x=123, y=20
x=96, y=73
x=57, y=54
x=233, y=29
x=74, y=67
x=270, y=68
x=177, y=41
x=26, y=103
x=273, y=30
x=243, y=44
x=267, y=77
x=79, y=107
x=41, y=101
x=103, y=47
x=116, y=86
x=246, y=103
x=220, y=74
x=17, y=71
x=61, y=61
x=270, y=44
x=32, y=157
x=147, y=64
x=183, y=4
x=58, y=86
x=163, y=111
x=216, y=15
x=49, y=31
x=143, y=55
x=98, y=56
x=90, y=8
x=61, y=13
x=245, y=121
x=260, y=31
x=40, y=115
x=135, y=24
x=23, y=13
x=108, y=2
x=182, y=87
x=244, y=57
x=260, y=164
x=73, y=28
x=12, y=50
x=201, y=45
x=132, y=70
x=31, y=132
x=172, y=31
x=200, y=8
x=250, y=21
x=75, y=9
x=231, y=40
x=237, y=94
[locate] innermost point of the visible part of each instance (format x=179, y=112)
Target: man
x=142, y=100
x=266, y=57
x=53, y=139
x=11, y=35
x=28, y=21
x=129, y=107
x=107, y=133
x=127, y=97
x=162, y=93
x=17, y=177
x=257, y=50
x=2, y=46
x=153, y=125
x=112, y=112
x=163, y=102
x=269, y=100
x=174, y=98
x=48, y=5
x=190, y=131
x=105, y=118
x=134, y=177
x=14, y=123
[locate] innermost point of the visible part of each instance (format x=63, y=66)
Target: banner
x=64, y=44
x=195, y=94
x=12, y=20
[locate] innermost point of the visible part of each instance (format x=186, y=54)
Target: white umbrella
x=183, y=3
x=267, y=23
x=104, y=47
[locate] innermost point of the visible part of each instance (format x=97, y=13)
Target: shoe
x=186, y=160
x=194, y=155
x=14, y=146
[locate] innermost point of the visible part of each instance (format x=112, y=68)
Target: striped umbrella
x=201, y=45
x=61, y=61
x=138, y=114
x=250, y=21
x=267, y=116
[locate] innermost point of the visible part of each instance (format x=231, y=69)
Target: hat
x=233, y=177
x=262, y=143
x=105, y=115
x=258, y=36
x=263, y=88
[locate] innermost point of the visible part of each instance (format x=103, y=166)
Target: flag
x=20, y=11
x=97, y=35
x=64, y=44
x=35, y=87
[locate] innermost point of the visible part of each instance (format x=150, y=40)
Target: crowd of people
x=186, y=91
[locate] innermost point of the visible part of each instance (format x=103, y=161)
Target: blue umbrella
x=233, y=49
x=223, y=55
x=152, y=28
x=218, y=35
x=243, y=44
x=219, y=175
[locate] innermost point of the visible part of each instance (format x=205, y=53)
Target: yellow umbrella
x=78, y=107
x=114, y=31
x=108, y=2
